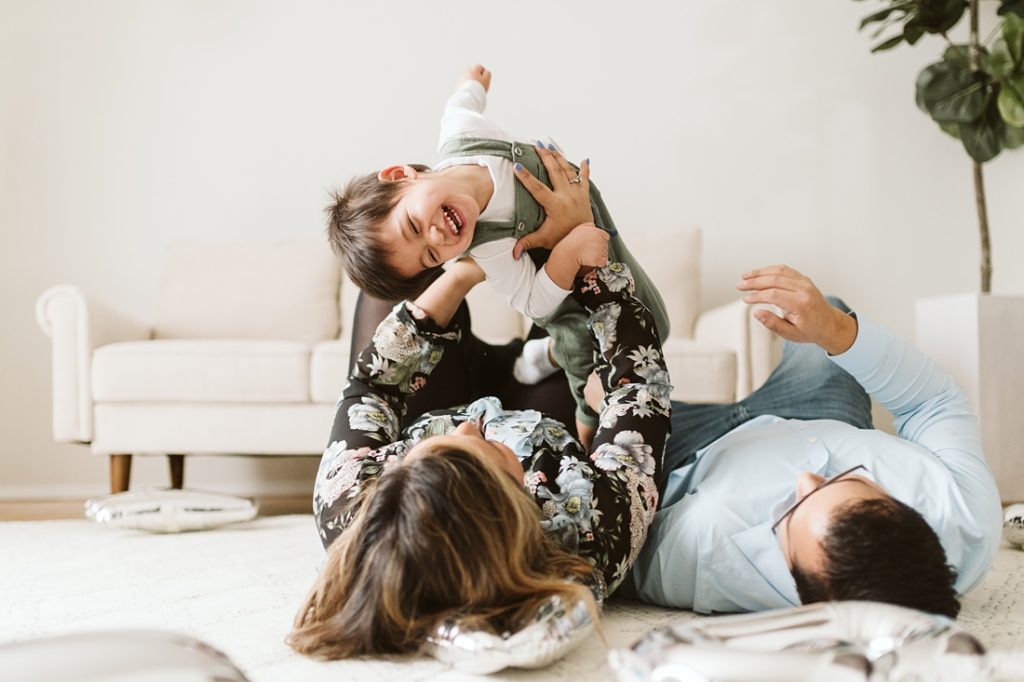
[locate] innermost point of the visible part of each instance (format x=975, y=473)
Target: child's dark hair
x=354, y=217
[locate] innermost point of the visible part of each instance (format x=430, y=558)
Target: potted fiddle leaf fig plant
x=975, y=93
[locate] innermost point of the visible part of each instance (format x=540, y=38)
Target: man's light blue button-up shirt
x=711, y=547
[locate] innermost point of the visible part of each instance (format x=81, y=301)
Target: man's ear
x=396, y=173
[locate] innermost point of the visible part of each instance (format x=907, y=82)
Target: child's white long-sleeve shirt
x=527, y=288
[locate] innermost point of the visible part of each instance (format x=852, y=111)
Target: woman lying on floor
x=480, y=513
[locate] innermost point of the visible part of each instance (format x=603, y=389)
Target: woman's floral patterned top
x=598, y=504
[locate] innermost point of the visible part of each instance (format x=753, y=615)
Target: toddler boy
x=394, y=227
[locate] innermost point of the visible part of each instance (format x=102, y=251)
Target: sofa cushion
x=202, y=371
x=328, y=370
x=671, y=258
x=700, y=372
x=231, y=428
x=250, y=290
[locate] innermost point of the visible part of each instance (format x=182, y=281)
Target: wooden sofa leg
x=177, y=464
x=120, y=472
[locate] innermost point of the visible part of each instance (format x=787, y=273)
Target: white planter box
x=978, y=338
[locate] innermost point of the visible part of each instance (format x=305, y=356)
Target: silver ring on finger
x=577, y=180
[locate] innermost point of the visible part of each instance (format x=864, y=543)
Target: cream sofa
x=249, y=350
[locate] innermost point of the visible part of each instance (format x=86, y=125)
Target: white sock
x=533, y=365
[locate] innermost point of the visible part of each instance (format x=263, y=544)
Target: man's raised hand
x=807, y=316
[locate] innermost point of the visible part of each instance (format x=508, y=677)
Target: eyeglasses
x=830, y=481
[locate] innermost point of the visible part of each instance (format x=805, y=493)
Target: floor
x=237, y=589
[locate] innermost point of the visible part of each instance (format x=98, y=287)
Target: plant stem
x=974, y=43
x=979, y=178
x=986, y=246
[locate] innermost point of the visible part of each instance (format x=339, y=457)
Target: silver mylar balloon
x=553, y=632
x=116, y=656
x=165, y=510
x=1013, y=525
x=832, y=642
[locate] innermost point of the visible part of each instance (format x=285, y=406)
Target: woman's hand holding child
x=566, y=204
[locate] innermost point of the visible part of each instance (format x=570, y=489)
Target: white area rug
x=237, y=588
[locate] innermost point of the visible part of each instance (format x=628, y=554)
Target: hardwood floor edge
x=48, y=510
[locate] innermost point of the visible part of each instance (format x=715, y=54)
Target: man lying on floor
x=791, y=496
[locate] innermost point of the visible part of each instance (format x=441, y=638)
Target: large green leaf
x=953, y=92
x=912, y=31
x=888, y=44
x=880, y=15
x=938, y=16
x=983, y=139
x=1013, y=34
x=1014, y=137
x=951, y=129
x=924, y=79
x=1011, y=101
x=959, y=54
x=998, y=64
x=1012, y=7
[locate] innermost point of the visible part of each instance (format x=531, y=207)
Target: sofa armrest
x=77, y=327
x=757, y=350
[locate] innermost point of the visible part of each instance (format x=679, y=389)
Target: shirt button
x=518, y=151
x=521, y=226
x=812, y=440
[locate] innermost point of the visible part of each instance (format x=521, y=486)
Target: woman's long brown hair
x=447, y=535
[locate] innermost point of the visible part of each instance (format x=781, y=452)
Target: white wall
x=127, y=124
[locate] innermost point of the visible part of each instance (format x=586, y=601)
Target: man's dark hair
x=354, y=219
x=882, y=550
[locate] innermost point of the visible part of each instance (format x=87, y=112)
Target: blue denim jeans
x=805, y=385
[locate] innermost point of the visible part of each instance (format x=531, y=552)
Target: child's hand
x=589, y=245
x=476, y=73
x=567, y=204
x=585, y=247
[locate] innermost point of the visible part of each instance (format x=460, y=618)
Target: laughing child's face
x=432, y=222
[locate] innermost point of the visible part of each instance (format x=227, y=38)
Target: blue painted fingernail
x=586, y=161
x=540, y=144
x=519, y=166
x=551, y=147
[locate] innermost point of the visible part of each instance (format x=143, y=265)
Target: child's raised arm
x=442, y=298
x=464, y=110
